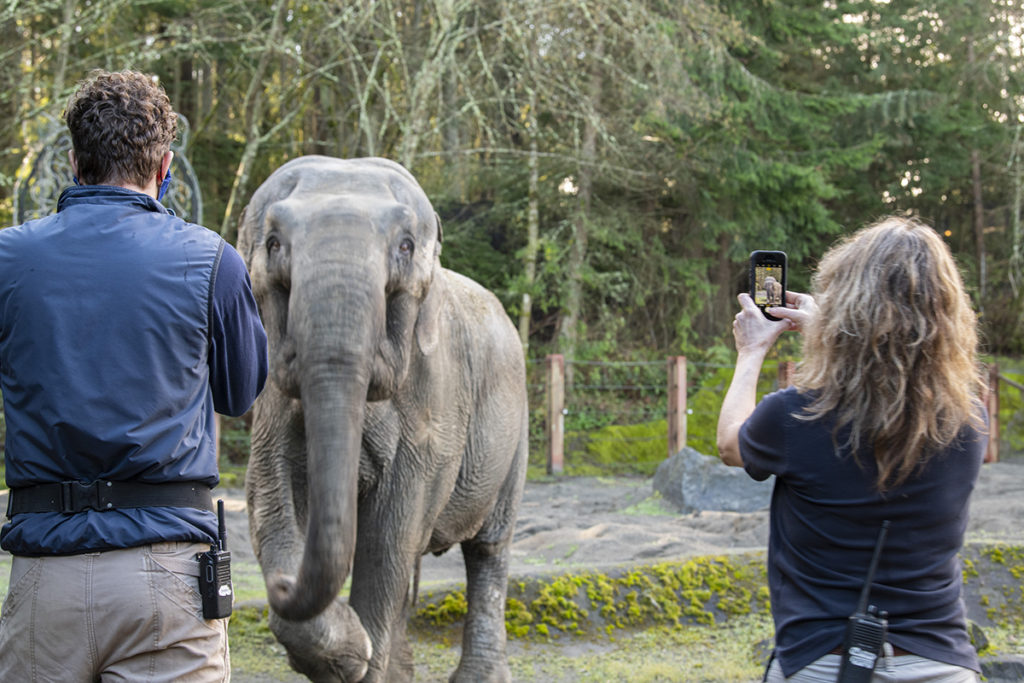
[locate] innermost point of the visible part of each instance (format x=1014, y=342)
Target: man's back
x=103, y=358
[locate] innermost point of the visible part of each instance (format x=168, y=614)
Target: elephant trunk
x=335, y=368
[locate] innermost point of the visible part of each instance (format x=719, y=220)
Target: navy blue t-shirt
x=825, y=519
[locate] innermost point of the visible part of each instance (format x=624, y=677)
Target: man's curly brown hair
x=121, y=126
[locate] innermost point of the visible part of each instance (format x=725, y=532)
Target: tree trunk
x=185, y=84
x=978, y=198
x=979, y=227
x=581, y=229
x=532, y=229
x=254, y=110
x=67, y=29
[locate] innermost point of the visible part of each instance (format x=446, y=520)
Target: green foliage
x=234, y=439
x=1011, y=413
x=717, y=128
x=450, y=608
x=618, y=449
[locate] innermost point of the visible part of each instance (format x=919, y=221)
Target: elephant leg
x=400, y=666
x=486, y=558
x=483, y=637
x=390, y=529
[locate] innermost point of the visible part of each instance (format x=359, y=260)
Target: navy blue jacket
x=122, y=330
x=825, y=519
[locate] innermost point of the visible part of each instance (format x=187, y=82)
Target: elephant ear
x=245, y=238
x=427, y=322
x=428, y=319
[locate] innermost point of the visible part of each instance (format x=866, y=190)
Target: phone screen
x=768, y=279
x=768, y=290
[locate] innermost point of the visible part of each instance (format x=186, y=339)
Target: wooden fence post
x=992, y=405
x=786, y=370
x=676, y=404
x=555, y=412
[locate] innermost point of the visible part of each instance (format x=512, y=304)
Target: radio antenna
x=865, y=592
x=222, y=532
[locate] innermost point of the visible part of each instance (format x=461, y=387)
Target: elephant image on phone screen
x=773, y=291
x=394, y=423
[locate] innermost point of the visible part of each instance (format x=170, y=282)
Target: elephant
x=394, y=424
x=773, y=291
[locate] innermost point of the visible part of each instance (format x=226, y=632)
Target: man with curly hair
x=123, y=329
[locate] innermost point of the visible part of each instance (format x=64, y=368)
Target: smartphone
x=768, y=279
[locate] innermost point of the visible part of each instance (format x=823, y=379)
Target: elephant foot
x=394, y=675
x=330, y=648
x=482, y=670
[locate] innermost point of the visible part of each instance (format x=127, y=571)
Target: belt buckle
x=76, y=496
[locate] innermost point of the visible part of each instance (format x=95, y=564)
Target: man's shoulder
x=25, y=233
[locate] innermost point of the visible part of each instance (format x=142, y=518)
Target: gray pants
x=120, y=615
x=902, y=669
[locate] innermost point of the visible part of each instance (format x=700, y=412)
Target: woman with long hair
x=883, y=423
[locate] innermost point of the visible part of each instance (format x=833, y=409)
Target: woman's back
x=825, y=517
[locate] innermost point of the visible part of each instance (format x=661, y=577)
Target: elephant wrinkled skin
x=394, y=424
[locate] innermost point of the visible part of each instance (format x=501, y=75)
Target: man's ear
x=74, y=162
x=165, y=164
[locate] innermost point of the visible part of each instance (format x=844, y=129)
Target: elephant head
x=343, y=256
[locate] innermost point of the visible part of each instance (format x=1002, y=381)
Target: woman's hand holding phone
x=754, y=332
x=799, y=310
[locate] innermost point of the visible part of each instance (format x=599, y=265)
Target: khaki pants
x=120, y=615
x=903, y=669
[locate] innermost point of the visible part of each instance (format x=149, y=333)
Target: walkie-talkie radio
x=866, y=630
x=215, y=573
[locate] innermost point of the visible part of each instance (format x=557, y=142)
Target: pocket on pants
x=174, y=576
x=24, y=578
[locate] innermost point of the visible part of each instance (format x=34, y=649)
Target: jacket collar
x=107, y=194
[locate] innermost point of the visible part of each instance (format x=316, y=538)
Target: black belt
x=70, y=497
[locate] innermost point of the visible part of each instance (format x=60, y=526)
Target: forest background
x=604, y=166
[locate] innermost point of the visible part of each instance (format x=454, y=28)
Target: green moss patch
x=254, y=649
x=617, y=449
x=993, y=585
x=703, y=590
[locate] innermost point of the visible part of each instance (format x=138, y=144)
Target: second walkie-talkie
x=866, y=629
x=215, y=573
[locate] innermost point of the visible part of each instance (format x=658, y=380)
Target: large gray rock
x=692, y=481
x=1003, y=668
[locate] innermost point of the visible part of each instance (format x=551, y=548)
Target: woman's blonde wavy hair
x=892, y=350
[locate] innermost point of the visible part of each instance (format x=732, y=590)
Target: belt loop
x=67, y=505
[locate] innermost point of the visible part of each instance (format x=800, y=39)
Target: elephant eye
x=406, y=246
x=273, y=244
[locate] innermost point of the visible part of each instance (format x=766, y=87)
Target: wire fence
x=616, y=413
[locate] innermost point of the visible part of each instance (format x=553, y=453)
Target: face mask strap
x=163, y=186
